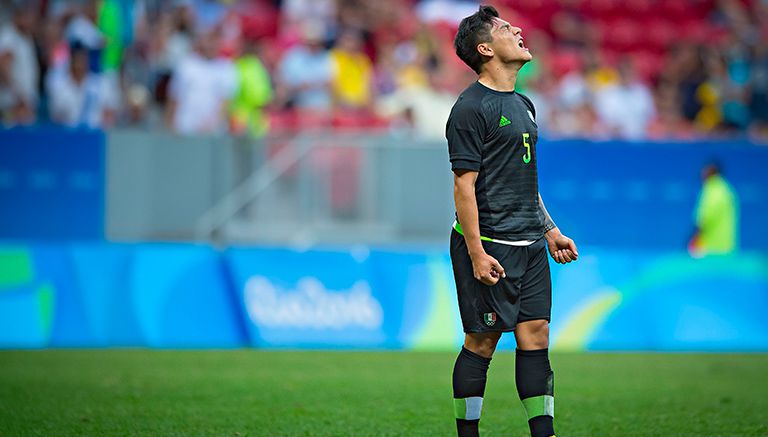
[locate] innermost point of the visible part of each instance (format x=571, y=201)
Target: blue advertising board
x=97, y=294
x=52, y=183
x=627, y=195
x=183, y=295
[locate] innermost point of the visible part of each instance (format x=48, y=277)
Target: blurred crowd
x=629, y=69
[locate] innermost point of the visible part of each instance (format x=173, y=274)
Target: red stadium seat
x=648, y=64
x=659, y=34
x=564, y=61
x=603, y=10
x=637, y=9
x=623, y=35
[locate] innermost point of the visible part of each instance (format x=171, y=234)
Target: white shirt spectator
x=85, y=32
x=201, y=88
x=450, y=11
x=573, y=90
x=296, y=12
x=24, y=68
x=625, y=109
x=308, y=73
x=80, y=104
x=428, y=108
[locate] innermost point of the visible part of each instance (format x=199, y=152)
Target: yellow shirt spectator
x=353, y=73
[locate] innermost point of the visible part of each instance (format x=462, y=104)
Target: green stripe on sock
x=460, y=408
x=543, y=405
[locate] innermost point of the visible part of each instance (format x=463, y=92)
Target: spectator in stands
x=686, y=69
x=79, y=97
x=83, y=31
x=305, y=72
x=626, y=108
x=172, y=44
x=200, y=89
x=716, y=215
x=422, y=108
x=112, y=22
x=573, y=114
x=254, y=92
x=735, y=95
x=669, y=122
x=759, y=88
x=352, y=81
x=19, y=69
x=297, y=12
x=713, y=82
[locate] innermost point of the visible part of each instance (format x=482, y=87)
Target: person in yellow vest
x=353, y=73
x=254, y=92
x=716, y=215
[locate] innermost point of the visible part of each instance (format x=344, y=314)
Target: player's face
x=508, y=42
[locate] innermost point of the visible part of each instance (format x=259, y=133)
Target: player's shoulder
x=470, y=102
x=526, y=99
x=528, y=102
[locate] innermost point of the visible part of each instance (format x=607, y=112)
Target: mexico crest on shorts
x=490, y=318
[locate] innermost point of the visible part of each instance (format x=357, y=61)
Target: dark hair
x=473, y=30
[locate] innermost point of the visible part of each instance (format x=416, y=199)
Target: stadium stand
x=702, y=60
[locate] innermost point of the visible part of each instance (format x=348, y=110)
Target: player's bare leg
x=482, y=343
x=532, y=335
x=534, y=376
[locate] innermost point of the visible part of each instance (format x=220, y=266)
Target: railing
x=380, y=188
x=339, y=188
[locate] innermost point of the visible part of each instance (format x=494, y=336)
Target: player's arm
x=486, y=268
x=562, y=248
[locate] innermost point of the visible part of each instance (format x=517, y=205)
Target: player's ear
x=485, y=49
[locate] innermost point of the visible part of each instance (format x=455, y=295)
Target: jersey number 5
x=527, y=156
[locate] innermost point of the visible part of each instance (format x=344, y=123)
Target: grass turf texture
x=271, y=393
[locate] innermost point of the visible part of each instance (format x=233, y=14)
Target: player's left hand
x=562, y=248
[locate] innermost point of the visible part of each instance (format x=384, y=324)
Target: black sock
x=469, y=376
x=535, y=386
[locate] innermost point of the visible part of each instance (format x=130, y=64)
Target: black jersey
x=494, y=133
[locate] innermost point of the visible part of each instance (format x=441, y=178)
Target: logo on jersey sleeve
x=530, y=115
x=504, y=121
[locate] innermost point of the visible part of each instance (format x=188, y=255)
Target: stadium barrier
x=349, y=188
x=194, y=296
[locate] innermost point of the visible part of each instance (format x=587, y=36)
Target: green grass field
x=252, y=392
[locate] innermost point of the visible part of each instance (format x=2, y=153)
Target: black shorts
x=525, y=294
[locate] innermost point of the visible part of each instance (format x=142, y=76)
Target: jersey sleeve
x=465, y=132
x=529, y=103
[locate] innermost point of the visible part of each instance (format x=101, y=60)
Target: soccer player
x=502, y=232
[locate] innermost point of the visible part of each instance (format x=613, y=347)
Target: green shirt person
x=253, y=94
x=111, y=22
x=716, y=215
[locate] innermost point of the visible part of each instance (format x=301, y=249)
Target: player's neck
x=499, y=77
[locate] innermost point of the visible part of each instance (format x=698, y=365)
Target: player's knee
x=482, y=344
x=533, y=335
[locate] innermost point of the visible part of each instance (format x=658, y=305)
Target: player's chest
x=511, y=127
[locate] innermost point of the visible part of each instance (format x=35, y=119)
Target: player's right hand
x=486, y=269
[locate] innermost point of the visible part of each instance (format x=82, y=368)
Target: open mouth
x=520, y=43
